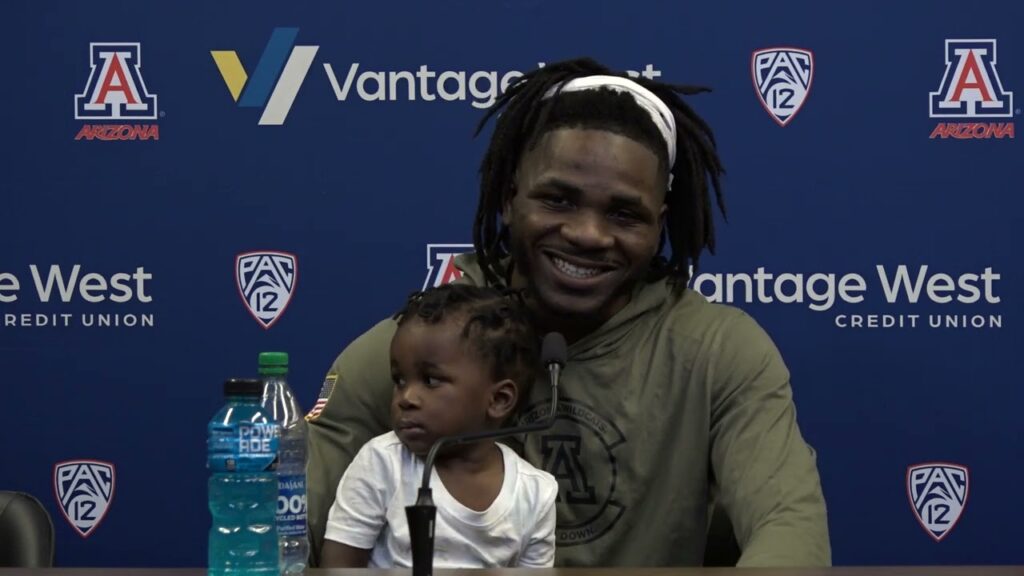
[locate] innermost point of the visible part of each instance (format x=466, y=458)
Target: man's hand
x=338, y=555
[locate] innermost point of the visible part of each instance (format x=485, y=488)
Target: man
x=666, y=398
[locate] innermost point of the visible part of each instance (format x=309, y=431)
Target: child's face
x=441, y=386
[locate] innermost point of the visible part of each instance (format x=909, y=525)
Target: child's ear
x=504, y=396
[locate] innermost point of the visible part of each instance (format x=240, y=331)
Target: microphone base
x=421, y=517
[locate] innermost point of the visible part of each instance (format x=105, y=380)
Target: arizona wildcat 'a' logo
x=938, y=494
x=115, y=89
x=782, y=78
x=441, y=263
x=579, y=450
x=84, y=490
x=266, y=282
x=970, y=86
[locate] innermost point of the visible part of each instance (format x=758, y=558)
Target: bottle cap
x=243, y=387
x=273, y=363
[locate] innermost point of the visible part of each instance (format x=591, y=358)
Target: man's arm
x=356, y=411
x=338, y=555
x=765, y=471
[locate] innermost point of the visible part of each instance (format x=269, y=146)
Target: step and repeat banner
x=187, y=184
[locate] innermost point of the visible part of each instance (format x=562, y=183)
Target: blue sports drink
x=242, y=457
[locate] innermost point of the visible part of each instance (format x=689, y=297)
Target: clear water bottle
x=280, y=404
x=242, y=449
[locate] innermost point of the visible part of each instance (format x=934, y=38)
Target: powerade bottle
x=281, y=406
x=242, y=451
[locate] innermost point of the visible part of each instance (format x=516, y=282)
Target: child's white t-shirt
x=518, y=529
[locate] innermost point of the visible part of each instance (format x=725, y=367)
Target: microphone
x=421, y=515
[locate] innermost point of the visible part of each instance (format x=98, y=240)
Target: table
x=842, y=571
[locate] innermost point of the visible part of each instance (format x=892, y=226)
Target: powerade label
x=242, y=447
x=291, y=506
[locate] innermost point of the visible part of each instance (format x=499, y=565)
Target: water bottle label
x=243, y=447
x=291, y=506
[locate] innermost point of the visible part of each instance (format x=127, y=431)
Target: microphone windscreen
x=553, y=349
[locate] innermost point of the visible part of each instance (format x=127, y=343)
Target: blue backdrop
x=867, y=177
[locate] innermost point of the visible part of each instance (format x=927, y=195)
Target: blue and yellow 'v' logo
x=278, y=75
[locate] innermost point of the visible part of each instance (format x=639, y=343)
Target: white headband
x=654, y=106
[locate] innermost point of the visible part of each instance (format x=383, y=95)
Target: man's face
x=585, y=221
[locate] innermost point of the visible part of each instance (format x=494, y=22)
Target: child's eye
x=434, y=381
x=399, y=383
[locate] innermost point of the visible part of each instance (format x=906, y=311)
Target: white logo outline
x=799, y=61
x=282, y=287
x=68, y=478
x=929, y=481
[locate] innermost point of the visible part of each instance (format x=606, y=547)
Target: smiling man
x=584, y=225
x=595, y=199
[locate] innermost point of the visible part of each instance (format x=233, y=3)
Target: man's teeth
x=575, y=271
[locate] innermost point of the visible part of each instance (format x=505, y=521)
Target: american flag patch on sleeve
x=325, y=394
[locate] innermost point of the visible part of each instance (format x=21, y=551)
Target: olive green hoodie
x=672, y=399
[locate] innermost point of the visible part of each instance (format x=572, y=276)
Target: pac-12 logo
x=116, y=90
x=938, y=495
x=441, y=263
x=782, y=78
x=266, y=282
x=971, y=89
x=84, y=490
x=277, y=77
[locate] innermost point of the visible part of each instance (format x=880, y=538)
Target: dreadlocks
x=528, y=115
x=493, y=322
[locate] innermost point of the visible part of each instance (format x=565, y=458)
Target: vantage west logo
x=277, y=77
x=914, y=296
x=71, y=296
x=283, y=67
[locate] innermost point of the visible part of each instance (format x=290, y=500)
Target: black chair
x=26, y=532
x=721, y=548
